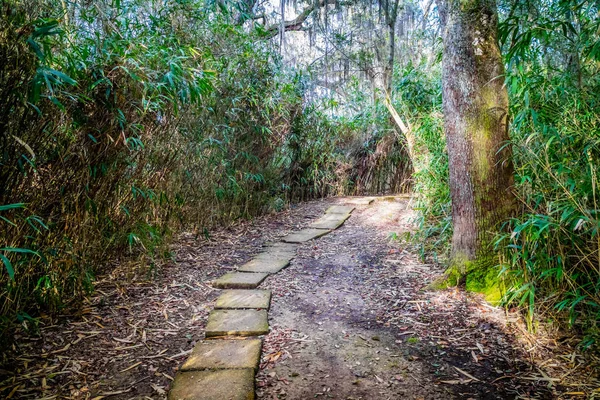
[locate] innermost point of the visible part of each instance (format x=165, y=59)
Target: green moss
x=451, y=278
x=453, y=275
x=480, y=139
x=477, y=276
x=485, y=281
x=483, y=127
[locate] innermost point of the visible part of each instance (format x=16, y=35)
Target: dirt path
x=350, y=319
x=356, y=324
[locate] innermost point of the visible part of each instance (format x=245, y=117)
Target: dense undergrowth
x=123, y=122
x=548, y=254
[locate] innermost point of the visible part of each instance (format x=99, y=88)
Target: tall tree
x=476, y=126
x=390, y=12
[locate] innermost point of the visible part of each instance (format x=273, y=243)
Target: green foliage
x=311, y=156
x=421, y=100
x=550, y=251
x=125, y=121
x=376, y=159
x=121, y=127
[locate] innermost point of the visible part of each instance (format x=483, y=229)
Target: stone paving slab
x=225, y=384
x=244, y=299
x=339, y=210
x=279, y=252
x=268, y=255
x=330, y=221
x=361, y=201
x=239, y=280
x=224, y=354
x=276, y=254
x=281, y=247
x=305, y=235
x=265, y=265
x=237, y=323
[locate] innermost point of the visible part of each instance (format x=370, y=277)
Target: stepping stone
x=225, y=384
x=224, y=354
x=275, y=256
x=281, y=247
x=237, y=323
x=239, y=280
x=330, y=221
x=305, y=235
x=244, y=299
x=277, y=252
x=266, y=265
x=361, y=201
x=339, y=210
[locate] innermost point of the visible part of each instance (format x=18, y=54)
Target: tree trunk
x=476, y=126
x=391, y=16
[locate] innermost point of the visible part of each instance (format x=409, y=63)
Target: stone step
x=237, y=323
x=275, y=256
x=224, y=384
x=254, y=299
x=330, y=221
x=361, y=201
x=339, y=210
x=224, y=354
x=281, y=245
x=265, y=265
x=305, y=235
x=239, y=280
x=279, y=251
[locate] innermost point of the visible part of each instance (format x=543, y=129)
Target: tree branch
x=296, y=23
x=293, y=25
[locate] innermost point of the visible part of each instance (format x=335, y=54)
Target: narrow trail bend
x=350, y=318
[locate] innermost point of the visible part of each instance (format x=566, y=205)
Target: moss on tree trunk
x=476, y=127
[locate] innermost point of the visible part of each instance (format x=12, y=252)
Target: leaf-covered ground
x=351, y=318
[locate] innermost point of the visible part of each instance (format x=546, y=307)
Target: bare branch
x=293, y=25
x=297, y=23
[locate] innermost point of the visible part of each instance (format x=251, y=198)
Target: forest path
x=350, y=318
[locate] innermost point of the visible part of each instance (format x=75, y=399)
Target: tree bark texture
x=476, y=126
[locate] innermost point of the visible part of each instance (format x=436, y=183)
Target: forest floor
x=351, y=318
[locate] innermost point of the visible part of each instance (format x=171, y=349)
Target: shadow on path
x=351, y=320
